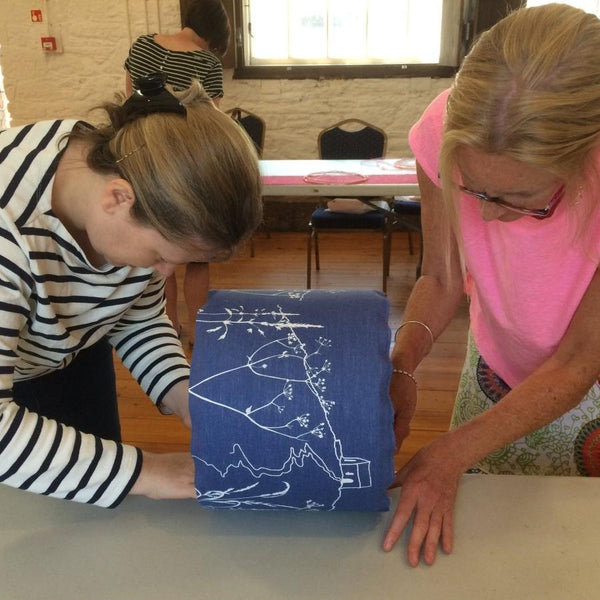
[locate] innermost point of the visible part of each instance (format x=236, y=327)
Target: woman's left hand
x=429, y=485
x=403, y=393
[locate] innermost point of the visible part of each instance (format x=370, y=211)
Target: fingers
x=430, y=504
x=425, y=539
x=425, y=533
x=428, y=527
x=399, y=522
x=432, y=539
x=448, y=534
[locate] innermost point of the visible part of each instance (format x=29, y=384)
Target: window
x=347, y=38
x=4, y=114
x=590, y=6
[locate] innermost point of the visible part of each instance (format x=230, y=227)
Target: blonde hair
x=530, y=90
x=194, y=176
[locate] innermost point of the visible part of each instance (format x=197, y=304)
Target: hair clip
x=128, y=154
x=151, y=97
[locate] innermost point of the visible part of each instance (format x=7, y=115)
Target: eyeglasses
x=537, y=213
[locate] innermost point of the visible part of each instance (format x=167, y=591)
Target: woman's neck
x=187, y=40
x=76, y=188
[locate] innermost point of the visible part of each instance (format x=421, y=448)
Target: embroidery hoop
x=385, y=164
x=333, y=177
x=406, y=164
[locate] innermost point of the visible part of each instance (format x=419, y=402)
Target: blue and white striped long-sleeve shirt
x=54, y=303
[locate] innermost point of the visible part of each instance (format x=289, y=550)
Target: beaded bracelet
x=402, y=372
x=417, y=323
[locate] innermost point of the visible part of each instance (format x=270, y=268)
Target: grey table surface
x=516, y=538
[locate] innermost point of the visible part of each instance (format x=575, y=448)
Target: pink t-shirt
x=525, y=278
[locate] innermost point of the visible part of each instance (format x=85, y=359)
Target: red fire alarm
x=49, y=44
x=36, y=16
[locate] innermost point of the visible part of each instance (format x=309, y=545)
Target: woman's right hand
x=429, y=484
x=166, y=476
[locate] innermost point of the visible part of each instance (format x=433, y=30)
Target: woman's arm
x=430, y=480
x=433, y=301
x=147, y=344
x=176, y=401
x=128, y=84
x=166, y=476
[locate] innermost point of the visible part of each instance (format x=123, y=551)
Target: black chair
x=407, y=211
x=255, y=127
x=350, y=139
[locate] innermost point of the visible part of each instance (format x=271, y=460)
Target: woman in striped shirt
x=91, y=222
x=192, y=53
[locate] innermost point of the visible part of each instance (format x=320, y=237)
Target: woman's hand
x=166, y=476
x=403, y=392
x=429, y=484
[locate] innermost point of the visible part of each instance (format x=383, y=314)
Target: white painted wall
x=95, y=36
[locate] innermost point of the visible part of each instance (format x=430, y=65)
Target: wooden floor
x=347, y=261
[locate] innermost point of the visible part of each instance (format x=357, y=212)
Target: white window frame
x=451, y=49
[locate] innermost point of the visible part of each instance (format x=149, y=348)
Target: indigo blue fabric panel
x=289, y=399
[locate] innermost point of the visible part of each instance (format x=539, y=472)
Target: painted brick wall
x=95, y=36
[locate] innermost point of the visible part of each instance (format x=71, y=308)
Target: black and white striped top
x=146, y=56
x=54, y=303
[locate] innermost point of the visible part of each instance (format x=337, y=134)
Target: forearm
x=433, y=303
x=176, y=401
x=543, y=397
x=438, y=292
x=558, y=385
x=165, y=476
x=57, y=460
x=425, y=318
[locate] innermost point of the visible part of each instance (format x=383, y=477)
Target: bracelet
x=402, y=372
x=417, y=323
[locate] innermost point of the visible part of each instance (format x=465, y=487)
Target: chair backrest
x=253, y=124
x=352, y=138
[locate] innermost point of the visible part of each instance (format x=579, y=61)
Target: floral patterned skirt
x=570, y=445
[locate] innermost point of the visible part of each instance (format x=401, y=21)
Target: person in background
x=191, y=54
x=508, y=165
x=93, y=220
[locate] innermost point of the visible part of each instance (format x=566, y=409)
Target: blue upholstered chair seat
x=324, y=218
x=406, y=206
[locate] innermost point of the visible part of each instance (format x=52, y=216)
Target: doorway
x=4, y=114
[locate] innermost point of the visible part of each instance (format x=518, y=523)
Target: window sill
x=343, y=71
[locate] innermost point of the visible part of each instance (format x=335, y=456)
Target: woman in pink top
x=509, y=177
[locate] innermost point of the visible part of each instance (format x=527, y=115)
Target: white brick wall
x=95, y=36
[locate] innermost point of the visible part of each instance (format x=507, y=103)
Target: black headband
x=151, y=97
